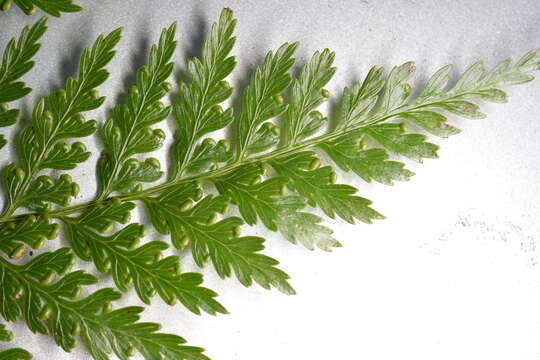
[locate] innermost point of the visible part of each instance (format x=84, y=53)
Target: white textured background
x=451, y=274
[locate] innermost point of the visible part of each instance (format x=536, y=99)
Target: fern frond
x=198, y=225
x=11, y=354
x=140, y=266
x=271, y=179
x=51, y=7
x=268, y=201
x=198, y=112
x=349, y=153
x=318, y=186
x=257, y=199
x=128, y=132
x=307, y=93
x=49, y=306
x=103, y=333
x=31, y=231
x=263, y=101
x=17, y=61
x=40, y=145
x=363, y=111
x=357, y=102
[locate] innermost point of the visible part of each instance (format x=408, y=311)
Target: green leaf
x=45, y=190
x=266, y=137
x=39, y=146
x=214, y=240
x=396, y=90
x=431, y=121
x=8, y=117
x=468, y=81
x=16, y=61
x=15, y=354
x=462, y=108
x=208, y=154
x=44, y=292
x=140, y=266
x=48, y=306
x=132, y=172
x=31, y=230
x=476, y=83
x=349, y=154
x=436, y=85
x=198, y=112
x=128, y=131
x=358, y=101
x=257, y=199
x=304, y=228
x=66, y=157
x=51, y=7
x=41, y=192
x=393, y=137
x=307, y=93
x=317, y=186
x=5, y=335
x=262, y=100
x=493, y=95
x=267, y=201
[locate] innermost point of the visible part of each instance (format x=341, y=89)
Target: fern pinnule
x=198, y=112
x=128, y=131
x=16, y=62
x=51, y=7
x=262, y=101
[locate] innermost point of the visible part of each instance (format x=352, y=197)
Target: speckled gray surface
x=451, y=274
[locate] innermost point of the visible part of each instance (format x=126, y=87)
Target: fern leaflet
x=49, y=307
x=16, y=62
x=51, y=7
